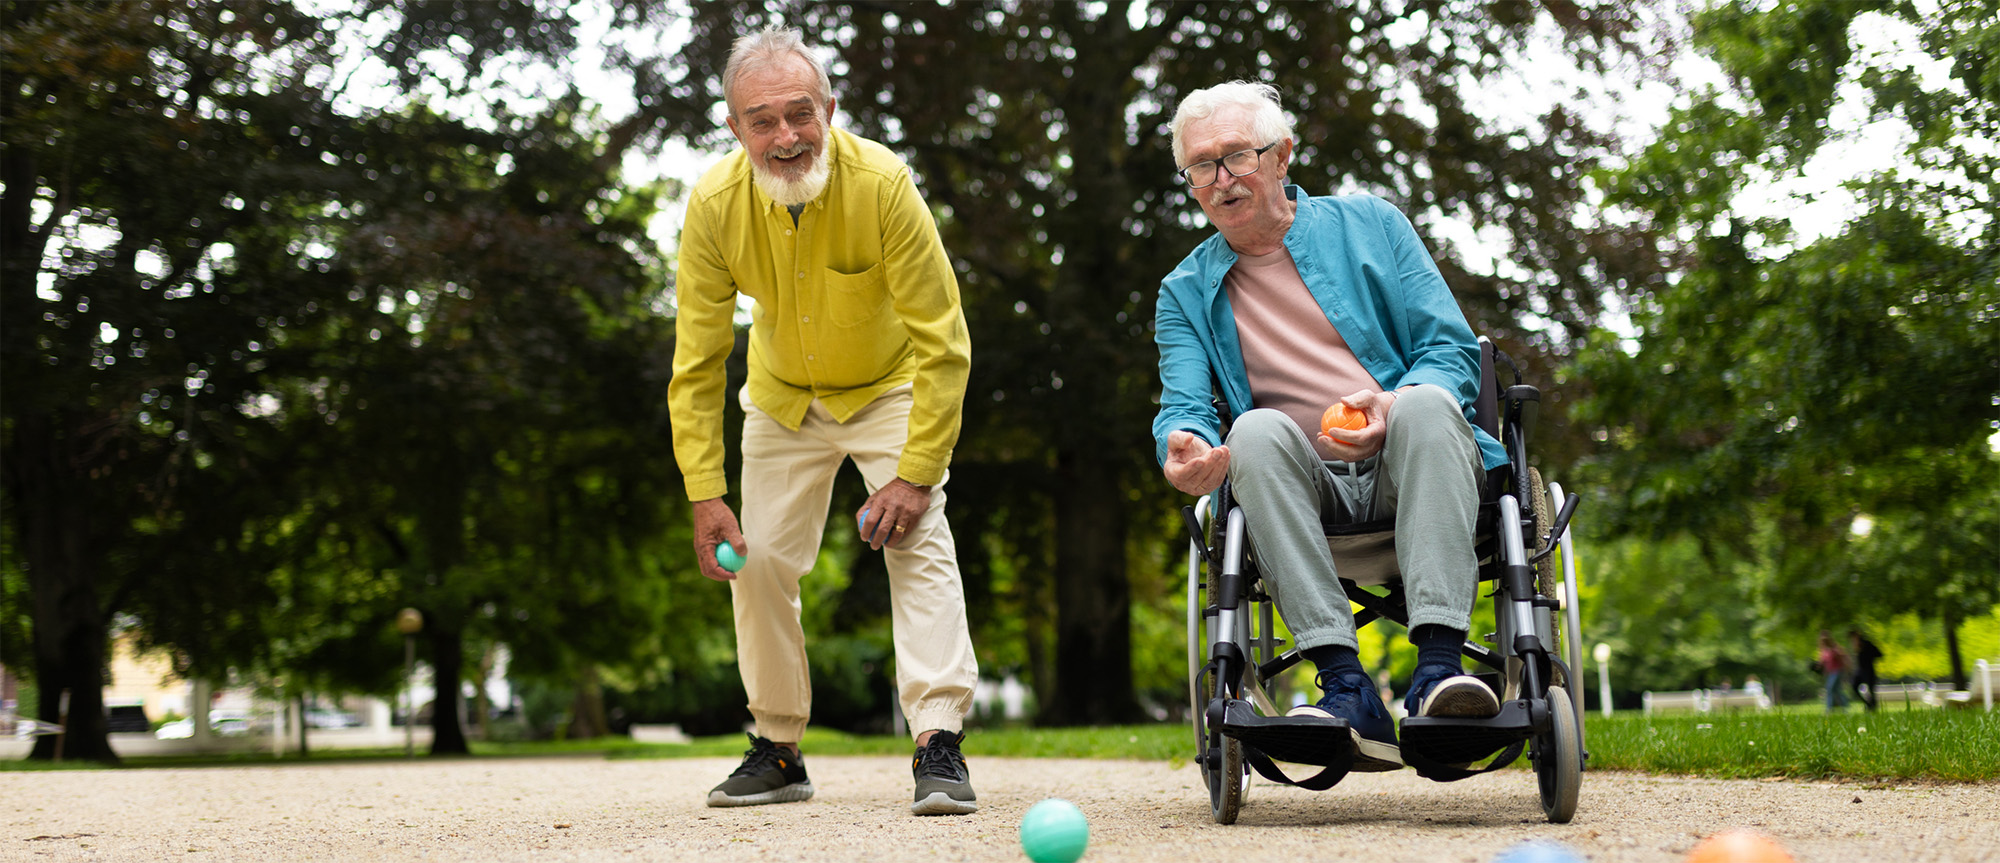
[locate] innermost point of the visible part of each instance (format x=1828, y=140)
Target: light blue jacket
x=1377, y=283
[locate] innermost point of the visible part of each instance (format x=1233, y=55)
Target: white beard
x=790, y=192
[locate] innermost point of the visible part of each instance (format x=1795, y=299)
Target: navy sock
x=1337, y=658
x=1438, y=645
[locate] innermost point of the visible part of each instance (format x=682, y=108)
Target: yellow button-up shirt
x=855, y=299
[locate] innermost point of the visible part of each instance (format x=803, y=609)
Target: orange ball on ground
x=1739, y=846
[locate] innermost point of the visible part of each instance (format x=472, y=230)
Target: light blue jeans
x=1836, y=691
x=1427, y=476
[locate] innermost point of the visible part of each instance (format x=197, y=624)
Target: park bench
x=1979, y=691
x=1705, y=700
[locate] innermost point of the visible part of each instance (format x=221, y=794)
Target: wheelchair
x=1233, y=649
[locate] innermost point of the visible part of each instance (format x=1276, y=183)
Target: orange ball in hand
x=1340, y=416
x=1739, y=846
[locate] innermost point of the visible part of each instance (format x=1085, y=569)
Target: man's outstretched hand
x=1192, y=465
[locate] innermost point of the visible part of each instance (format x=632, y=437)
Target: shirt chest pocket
x=857, y=299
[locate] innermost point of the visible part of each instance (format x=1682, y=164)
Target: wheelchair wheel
x=1228, y=781
x=1558, y=759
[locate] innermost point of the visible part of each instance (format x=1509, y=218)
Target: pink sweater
x=1297, y=361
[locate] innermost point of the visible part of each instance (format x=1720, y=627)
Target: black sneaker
x=943, y=785
x=1442, y=690
x=1353, y=697
x=770, y=774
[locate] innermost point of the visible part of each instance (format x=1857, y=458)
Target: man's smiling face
x=775, y=112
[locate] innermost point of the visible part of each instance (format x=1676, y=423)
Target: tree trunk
x=1093, y=655
x=587, y=713
x=482, y=704
x=303, y=725
x=54, y=512
x=447, y=665
x=1958, y=679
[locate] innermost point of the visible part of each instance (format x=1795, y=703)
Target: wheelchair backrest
x=1486, y=408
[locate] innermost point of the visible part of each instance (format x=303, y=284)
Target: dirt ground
x=588, y=808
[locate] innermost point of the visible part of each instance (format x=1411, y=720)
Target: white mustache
x=797, y=149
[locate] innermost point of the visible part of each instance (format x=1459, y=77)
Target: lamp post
x=409, y=621
x=1602, y=653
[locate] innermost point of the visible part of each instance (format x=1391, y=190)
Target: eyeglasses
x=1241, y=163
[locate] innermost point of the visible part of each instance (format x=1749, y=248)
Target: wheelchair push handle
x=1561, y=525
x=1195, y=533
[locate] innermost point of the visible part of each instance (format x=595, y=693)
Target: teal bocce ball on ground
x=1538, y=851
x=726, y=555
x=1054, y=831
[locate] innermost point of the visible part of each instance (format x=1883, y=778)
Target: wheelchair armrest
x=1523, y=405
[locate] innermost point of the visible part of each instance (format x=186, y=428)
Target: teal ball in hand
x=1054, y=831
x=726, y=555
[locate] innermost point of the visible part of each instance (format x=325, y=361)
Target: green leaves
x=1781, y=390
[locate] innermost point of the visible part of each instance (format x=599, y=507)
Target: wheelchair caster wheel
x=1558, y=755
x=1228, y=780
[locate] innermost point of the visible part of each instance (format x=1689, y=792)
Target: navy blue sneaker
x=1352, y=697
x=1442, y=690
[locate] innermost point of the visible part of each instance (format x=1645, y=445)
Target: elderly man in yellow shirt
x=858, y=350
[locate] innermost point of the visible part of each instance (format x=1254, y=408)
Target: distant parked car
x=234, y=722
x=179, y=729
x=326, y=718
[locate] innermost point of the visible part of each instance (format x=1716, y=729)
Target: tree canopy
x=1821, y=405
x=280, y=360
x=276, y=368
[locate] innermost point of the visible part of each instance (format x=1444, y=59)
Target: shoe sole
x=789, y=794
x=1374, y=756
x=1370, y=756
x=1460, y=698
x=940, y=803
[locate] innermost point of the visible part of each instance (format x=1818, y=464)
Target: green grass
x=1949, y=745
x=1893, y=745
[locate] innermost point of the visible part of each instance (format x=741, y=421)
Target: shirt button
x=805, y=319
x=811, y=357
x=802, y=275
x=788, y=232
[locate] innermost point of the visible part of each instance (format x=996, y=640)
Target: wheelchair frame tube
x=1515, y=572
x=1519, y=580
x=1229, y=588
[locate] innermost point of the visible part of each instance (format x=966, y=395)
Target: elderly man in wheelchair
x=1297, y=303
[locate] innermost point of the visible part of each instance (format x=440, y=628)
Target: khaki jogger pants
x=787, y=488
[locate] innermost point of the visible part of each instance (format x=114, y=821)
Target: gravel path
x=587, y=808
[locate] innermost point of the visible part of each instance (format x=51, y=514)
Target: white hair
x=1267, y=120
x=768, y=47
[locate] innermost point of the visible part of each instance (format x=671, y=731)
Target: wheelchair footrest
x=1320, y=740
x=1459, y=741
